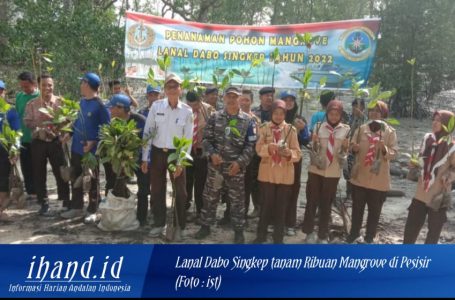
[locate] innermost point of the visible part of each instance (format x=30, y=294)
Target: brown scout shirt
x=282, y=173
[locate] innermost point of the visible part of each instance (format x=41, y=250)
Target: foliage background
x=81, y=35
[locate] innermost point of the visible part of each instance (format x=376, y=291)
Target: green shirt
x=21, y=102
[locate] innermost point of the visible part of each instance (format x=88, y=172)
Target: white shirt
x=164, y=122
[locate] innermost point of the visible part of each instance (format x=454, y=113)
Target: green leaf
x=411, y=61
x=372, y=104
x=167, y=61
x=322, y=81
x=175, y=141
x=4, y=106
x=100, y=67
x=256, y=62
x=392, y=121
x=307, y=37
x=225, y=82
x=186, y=164
x=151, y=74
x=188, y=156
x=297, y=78
x=235, y=131
x=237, y=72
x=451, y=124
x=172, y=157
x=233, y=122
x=275, y=54
x=374, y=91
x=161, y=64
x=113, y=64
x=307, y=77
x=385, y=95
x=172, y=168
x=186, y=85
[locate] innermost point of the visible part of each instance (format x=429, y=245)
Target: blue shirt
x=92, y=115
x=145, y=112
x=304, y=136
x=140, y=124
x=318, y=117
x=13, y=119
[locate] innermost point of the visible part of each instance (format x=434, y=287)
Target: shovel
x=170, y=227
x=16, y=187
x=66, y=171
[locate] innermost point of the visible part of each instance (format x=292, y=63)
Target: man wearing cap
x=228, y=140
x=92, y=115
x=264, y=113
x=168, y=118
x=152, y=94
x=120, y=107
x=27, y=82
x=251, y=174
x=6, y=161
x=116, y=88
x=264, y=110
x=45, y=143
x=211, y=97
x=196, y=174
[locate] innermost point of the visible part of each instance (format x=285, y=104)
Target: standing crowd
x=241, y=154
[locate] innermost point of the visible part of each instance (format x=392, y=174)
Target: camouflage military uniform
x=232, y=146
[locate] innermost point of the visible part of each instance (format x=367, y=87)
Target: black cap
x=326, y=97
x=266, y=90
x=192, y=96
x=211, y=90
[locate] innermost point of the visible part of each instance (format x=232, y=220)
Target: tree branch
x=107, y=5
x=186, y=15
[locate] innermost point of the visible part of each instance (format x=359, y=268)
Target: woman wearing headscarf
x=323, y=178
x=375, y=145
x=279, y=149
x=432, y=197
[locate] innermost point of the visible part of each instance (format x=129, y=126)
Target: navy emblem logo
x=355, y=43
x=140, y=35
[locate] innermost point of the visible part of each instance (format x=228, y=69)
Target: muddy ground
x=28, y=227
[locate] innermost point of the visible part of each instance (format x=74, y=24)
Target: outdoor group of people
x=240, y=154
